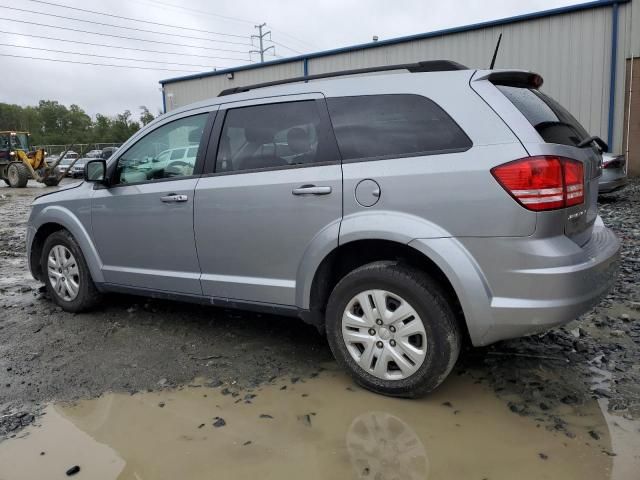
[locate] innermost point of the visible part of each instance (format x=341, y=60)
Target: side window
x=161, y=153
x=274, y=135
x=373, y=126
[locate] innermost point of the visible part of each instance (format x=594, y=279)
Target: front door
x=275, y=190
x=143, y=223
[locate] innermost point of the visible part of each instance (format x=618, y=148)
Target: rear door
x=274, y=190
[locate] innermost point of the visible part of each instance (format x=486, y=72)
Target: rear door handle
x=311, y=190
x=173, y=198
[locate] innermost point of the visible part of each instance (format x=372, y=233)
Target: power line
x=110, y=35
x=95, y=64
x=136, y=19
x=284, y=46
x=236, y=19
x=179, y=7
x=105, y=56
x=299, y=40
x=131, y=48
x=102, y=24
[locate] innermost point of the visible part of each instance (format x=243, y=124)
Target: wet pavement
x=113, y=392
x=319, y=428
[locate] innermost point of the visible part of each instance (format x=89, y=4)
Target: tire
x=433, y=350
x=51, y=181
x=62, y=245
x=18, y=175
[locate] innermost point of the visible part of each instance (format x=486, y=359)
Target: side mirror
x=95, y=171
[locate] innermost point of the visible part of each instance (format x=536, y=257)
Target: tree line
x=51, y=123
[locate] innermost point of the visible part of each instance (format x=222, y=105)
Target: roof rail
x=426, y=66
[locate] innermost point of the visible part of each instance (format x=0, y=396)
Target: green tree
x=53, y=123
x=146, y=116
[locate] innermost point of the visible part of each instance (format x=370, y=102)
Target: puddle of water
x=323, y=428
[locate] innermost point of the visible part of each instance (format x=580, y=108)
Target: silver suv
x=401, y=213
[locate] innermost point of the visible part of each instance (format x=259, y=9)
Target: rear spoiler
x=512, y=78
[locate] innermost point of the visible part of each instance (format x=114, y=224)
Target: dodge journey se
x=401, y=213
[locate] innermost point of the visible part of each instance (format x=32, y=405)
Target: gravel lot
x=135, y=344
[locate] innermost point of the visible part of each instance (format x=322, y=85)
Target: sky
x=188, y=36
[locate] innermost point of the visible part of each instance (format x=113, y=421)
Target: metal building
x=586, y=54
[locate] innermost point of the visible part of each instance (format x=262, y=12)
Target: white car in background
x=170, y=162
x=94, y=154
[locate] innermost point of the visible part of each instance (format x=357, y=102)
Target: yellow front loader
x=18, y=164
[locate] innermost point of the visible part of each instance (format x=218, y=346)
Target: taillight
x=617, y=162
x=543, y=182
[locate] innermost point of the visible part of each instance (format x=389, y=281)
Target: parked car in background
x=51, y=159
x=108, y=151
x=399, y=213
x=94, y=154
x=63, y=166
x=78, y=168
x=614, y=173
x=168, y=163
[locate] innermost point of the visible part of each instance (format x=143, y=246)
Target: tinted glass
x=161, y=153
x=550, y=119
x=274, y=135
x=393, y=125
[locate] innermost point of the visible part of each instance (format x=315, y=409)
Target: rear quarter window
x=551, y=120
x=383, y=126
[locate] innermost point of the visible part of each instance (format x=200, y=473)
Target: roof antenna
x=495, y=53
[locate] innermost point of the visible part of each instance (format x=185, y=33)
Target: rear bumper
x=608, y=185
x=509, y=287
x=550, y=282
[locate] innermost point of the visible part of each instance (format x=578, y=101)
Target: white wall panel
x=572, y=51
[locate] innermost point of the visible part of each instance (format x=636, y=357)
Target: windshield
x=20, y=141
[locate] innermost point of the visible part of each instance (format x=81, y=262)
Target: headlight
x=12, y=153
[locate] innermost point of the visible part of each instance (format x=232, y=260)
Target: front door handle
x=311, y=190
x=173, y=198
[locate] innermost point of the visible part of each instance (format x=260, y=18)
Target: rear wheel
x=18, y=175
x=66, y=273
x=392, y=328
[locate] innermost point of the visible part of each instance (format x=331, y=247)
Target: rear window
x=551, y=120
x=374, y=126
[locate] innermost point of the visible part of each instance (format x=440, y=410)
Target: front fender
x=66, y=218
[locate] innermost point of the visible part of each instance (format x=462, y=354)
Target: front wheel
x=391, y=327
x=18, y=175
x=66, y=273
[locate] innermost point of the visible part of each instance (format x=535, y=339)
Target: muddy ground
x=135, y=344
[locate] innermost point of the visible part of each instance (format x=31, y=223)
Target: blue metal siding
x=612, y=75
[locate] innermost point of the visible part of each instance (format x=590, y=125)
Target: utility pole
x=260, y=38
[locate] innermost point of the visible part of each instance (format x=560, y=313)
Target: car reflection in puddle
x=318, y=428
